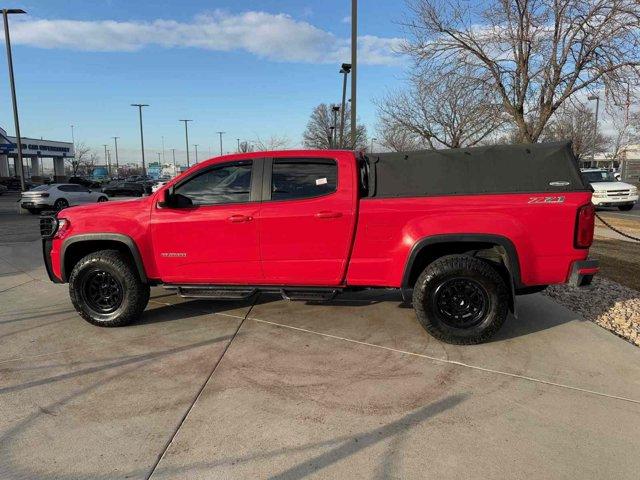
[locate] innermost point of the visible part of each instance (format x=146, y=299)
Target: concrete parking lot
x=271, y=389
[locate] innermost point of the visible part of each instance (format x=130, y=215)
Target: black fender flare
x=512, y=263
x=112, y=237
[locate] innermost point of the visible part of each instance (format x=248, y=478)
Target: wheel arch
x=428, y=249
x=77, y=246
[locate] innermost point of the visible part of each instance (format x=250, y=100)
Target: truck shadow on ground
x=535, y=314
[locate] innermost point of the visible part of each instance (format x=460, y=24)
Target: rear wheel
x=61, y=204
x=625, y=208
x=461, y=300
x=103, y=199
x=106, y=291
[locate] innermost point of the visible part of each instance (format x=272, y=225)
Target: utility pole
x=346, y=68
x=106, y=159
x=5, y=13
x=115, y=140
x=196, y=147
x=186, y=136
x=175, y=168
x=595, y=128
x=221, y=133
x=354, y=64
x=140, y=105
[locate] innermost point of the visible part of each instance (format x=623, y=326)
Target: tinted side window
x=65, y=188
x=224, y=184
x=303, y=178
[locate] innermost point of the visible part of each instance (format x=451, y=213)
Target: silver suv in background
x=608, y=191
x=58, y=196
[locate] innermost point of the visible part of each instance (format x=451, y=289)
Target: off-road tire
x=625, y=208
x=453, y=267
x=135, y=294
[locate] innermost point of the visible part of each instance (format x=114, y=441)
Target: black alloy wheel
x=102, y=291
x=461, y=302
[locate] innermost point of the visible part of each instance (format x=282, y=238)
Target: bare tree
x=535, y=54
x=319, y=133
x=626, y=126
x=397, y=138
x=274, y=142
x=246, y=147
x=84, y=160
x=454, y=110
x=575, y=123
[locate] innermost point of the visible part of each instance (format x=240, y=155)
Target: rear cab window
x=299, y=178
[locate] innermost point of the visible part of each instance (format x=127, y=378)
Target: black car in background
x=13, y=183
x=128, y=189
x=85, y=182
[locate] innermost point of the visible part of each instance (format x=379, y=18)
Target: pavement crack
x=199, y=393
x=452, y=362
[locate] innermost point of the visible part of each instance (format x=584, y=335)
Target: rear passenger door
x=306, y=221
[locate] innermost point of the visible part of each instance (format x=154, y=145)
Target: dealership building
x=33, y=152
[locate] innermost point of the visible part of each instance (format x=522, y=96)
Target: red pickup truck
x=464, y=230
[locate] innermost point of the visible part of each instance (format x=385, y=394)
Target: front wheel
x=625, y=208
x=461, y=300
x=103, y=199
x=106, y=291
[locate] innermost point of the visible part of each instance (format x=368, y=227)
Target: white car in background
x=609, y=192
x=57, y=196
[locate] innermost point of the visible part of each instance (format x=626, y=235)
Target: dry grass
x=619, y=260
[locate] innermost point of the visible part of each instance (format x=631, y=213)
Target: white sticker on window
x=321, y=181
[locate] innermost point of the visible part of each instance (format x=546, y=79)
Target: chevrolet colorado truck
x=459, y=232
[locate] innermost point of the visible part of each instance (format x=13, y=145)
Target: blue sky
x=246, y=67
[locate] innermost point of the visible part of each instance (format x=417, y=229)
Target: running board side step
x=242, y=292
x=215, y=293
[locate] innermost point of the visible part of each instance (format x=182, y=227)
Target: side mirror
x=175, y=200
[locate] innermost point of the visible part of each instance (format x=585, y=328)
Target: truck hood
x=107, y=209
x=606, y=186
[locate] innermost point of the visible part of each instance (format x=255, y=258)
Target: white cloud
x=276, y=37
x=346, y=19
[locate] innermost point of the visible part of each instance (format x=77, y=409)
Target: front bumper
x=582, y=272
x=614, y=202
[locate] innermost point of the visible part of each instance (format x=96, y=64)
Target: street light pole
x=175, y=168
x=372, y=140
x=186, y=136
x=196, y=147
x=334, y=132
x=346, y=68
x=221, y=133
x=354, y=63
x=115, y=140
x=163, y=149
x=140, y=105
x=106, y=159
x=238, y=144
x=595, y=128
x=5, y=13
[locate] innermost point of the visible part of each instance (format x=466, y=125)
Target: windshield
x=593, y=177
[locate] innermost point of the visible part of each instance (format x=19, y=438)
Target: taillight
x=585, y=223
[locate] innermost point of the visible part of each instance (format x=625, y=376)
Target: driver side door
x=214, y=240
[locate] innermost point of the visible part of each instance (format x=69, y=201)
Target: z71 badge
x=546, y=200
